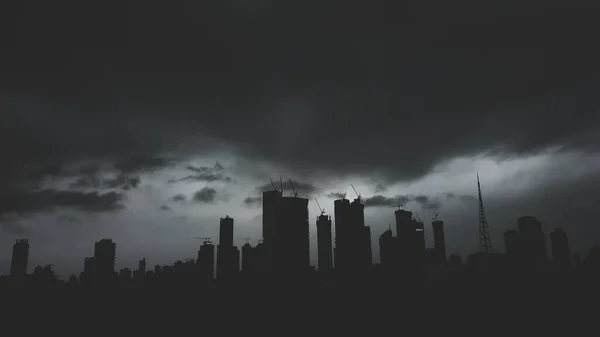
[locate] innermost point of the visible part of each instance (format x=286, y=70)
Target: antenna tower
x=485, y=242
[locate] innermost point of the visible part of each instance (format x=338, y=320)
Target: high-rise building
x=511, y=244
x=271, y=201
x=439, y=240
x=227, y=254
x=292, y=245
x=367, y=252
x=343, y=235
x=226, y=231
x=561, y=253
x=532, y=242
x=352, y=238
x=105, y=252
x=388, y=252
x=247, y=255
x=206, y=261
x=324, y=243
x=87, y=277
x=20, y=258
x=142, y=267
x=411, y=241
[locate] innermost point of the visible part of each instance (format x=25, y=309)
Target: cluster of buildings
x=284, y=254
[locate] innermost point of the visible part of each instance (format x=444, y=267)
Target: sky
x=147, y=121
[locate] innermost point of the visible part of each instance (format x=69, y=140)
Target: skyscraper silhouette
x=105, y=252
x=352, y=239
x=292, y=244
x=324, y=243
x=20, y=258
x=388, y=252
x=247, y=255
x=411, y=244
x=227, y=254
x=206, y=261
x=532, y=242
x=561, y=253
x=439, y=239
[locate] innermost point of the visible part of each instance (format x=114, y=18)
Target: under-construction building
x=285, y=234
x=410, y=240
x=324, y=242
x=439, y=240
x=352, y=238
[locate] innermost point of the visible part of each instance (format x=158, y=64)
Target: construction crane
x=399, y=206
x=281, y=184
x=435, y=217
x=320, y=209
x=358, y=195
x=293, y=189
x=205, y=240
x=273, y=184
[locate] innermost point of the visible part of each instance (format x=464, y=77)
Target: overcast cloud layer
x=198, y=103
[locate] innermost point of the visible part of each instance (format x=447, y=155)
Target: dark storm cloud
x=336, y=195
x=381, y=201
x=94, y=181
x=13, y=227
x=142, y=163
x=252, y=201
x=311, y=95
x=48, y=199
x=205, y=173
x=179, y=197
x=462, y=197
x=206, y=195
x=302, y=188
x=424, y=201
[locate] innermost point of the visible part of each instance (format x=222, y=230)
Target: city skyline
x=146, y=123
x=223, y=258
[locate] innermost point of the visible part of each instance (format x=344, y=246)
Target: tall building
x=511, y=244
x=271, y=206
x=226, y=231
x=366, y=246
x=439, y=240
x=292, y=245
x=561, y=253
x=532, y=242
x=388, y=252
x=227, y=254
x=247, y=255
x=411, y=241
x=206, y=261
x=87, y=277
x=343, y=234
x=352, y=238
x=142, y=266
x=324, y=243
x=105, y=252
x=20, y=258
